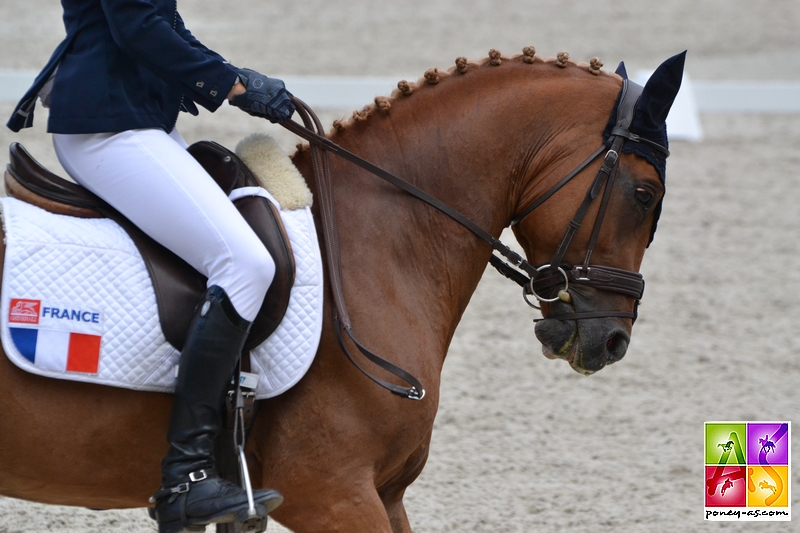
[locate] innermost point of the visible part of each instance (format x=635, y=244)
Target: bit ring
x=529, y=287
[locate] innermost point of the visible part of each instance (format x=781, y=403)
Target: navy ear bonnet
x=649, y=120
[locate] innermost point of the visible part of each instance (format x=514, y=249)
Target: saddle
x=177, y=285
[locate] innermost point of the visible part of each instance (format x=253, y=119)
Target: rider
x=114, y=87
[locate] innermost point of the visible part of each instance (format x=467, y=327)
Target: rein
x=535, y=281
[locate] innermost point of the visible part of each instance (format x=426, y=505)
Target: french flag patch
x=56, y=336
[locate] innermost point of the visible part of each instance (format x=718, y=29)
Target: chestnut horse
x=488, y=138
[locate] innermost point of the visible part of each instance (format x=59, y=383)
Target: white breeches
x=148, y=176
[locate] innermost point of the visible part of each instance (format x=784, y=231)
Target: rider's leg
x=215, y=340
x=149, y=177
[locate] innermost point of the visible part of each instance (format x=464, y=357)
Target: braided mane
x=462, y=66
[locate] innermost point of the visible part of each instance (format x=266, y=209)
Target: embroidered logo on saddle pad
x=58, y=337
x=24, y=311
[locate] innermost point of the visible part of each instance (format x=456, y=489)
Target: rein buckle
x=414, y=394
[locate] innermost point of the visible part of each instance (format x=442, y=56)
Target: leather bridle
x=550, y=282
x=539, y=281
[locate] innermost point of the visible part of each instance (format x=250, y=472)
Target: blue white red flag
x=60, y=337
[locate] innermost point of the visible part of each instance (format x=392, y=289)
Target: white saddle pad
x=78, y=304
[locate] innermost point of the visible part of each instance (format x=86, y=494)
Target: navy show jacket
x=126, y=64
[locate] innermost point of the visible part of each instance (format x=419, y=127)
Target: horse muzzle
x=587, y=345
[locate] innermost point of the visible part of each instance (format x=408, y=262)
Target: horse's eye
x=644, y=196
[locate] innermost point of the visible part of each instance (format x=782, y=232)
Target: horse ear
x=621, y=70
x=660, y=91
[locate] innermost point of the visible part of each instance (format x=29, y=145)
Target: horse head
x=506, y=141
x=588, y=282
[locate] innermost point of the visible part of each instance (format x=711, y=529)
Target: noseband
x=554, y=278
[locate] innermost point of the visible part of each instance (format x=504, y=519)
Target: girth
x=177, y=285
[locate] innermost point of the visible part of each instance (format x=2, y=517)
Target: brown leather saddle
x=177, y=285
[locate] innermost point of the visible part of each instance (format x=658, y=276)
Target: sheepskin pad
x=274, y=171
x=78, y=303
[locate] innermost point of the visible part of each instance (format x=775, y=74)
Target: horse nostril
x=617, y=345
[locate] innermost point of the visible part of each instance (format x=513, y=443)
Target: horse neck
x=475, y=144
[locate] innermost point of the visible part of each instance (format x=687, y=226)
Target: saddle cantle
x=177, y=285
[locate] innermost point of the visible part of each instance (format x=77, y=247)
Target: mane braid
x=462, y=67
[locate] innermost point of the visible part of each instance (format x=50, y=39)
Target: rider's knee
x=257, y=267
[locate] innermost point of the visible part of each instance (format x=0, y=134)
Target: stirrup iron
x=253, y=521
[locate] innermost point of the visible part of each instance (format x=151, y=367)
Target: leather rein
x=536, y=281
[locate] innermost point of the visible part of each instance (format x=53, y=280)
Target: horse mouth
x=567, y=351
x=571, y=353
x=552, y=332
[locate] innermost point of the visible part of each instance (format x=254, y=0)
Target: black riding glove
x=265, y=97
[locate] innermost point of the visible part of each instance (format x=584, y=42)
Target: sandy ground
x=522, y=443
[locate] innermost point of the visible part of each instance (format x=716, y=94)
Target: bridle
x=556, y=276
x=537, y=281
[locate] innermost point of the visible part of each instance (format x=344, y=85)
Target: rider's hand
x=263, y=97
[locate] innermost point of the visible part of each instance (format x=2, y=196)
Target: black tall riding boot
x=192, y=493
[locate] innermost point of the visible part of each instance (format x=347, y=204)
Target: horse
x=487, y=137
x=725, y=486
x=765, y=485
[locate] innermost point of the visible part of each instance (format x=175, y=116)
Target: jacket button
x=212, y=93
x=199, y=84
